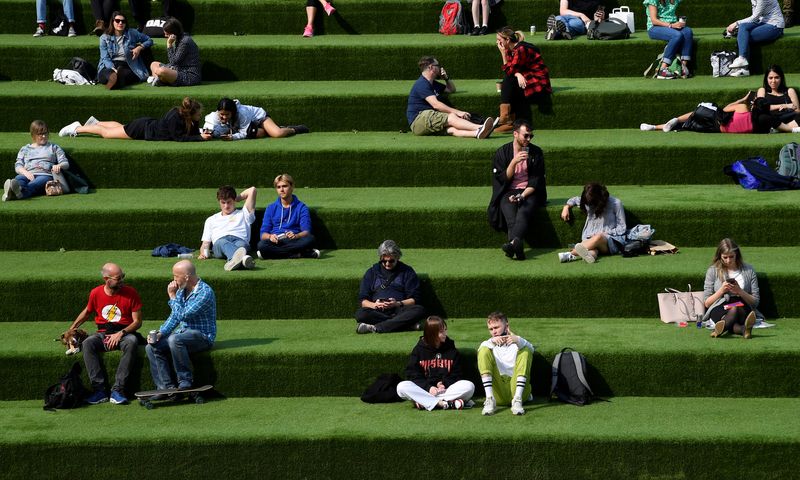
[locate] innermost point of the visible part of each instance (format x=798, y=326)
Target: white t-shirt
x=236, y=224
x=505, y=356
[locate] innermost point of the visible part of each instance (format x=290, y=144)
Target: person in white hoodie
x=234, y=121
x=504, y=362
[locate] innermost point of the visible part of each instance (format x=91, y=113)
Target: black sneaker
x=551, y=28
x=518, y=248
x=484, y=30
x=561, y=28
x=508, y=249
x=476, y=30
x=299, y=129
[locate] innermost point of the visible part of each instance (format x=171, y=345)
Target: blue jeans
x=41, y=11
x=33, y=188
x=677, y=40
x=225, y=247
x=755, y=32
x=575, y=25
x=176, y=346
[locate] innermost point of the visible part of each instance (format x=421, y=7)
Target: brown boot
x=506, y=119
x=99, y=27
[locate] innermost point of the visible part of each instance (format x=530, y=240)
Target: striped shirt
x=766, y=11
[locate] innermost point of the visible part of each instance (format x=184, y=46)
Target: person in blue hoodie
x=286, y=229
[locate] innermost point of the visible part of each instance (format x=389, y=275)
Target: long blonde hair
x=726, y=246
x=513, y=36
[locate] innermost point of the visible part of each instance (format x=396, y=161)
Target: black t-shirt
x=586, y=7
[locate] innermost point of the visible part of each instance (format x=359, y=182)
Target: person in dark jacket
x=518, y=188
x=434, y=371
x=389, y=294
x=286, y=229
x=181, y=124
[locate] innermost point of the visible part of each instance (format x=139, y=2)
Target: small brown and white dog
x=73, y=339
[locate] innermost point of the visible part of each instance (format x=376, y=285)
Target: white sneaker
x=489, y=406
x=248, y=263
x=740, y=72
x=236, y=261
x=9, y=190
x=485, y=130
x=584, y=253
x=151, y=79
x=516, y=407
x=91, y=121
x=565, y=257
x=796, y=130
x=646, y=127
x=739, y=62
x=70, y=130
x=670, y=125
x=39, y=32
x=71, y=32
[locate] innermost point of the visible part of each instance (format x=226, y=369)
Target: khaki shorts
x=429, y=122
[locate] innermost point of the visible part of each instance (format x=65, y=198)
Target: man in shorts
x=427, y=115
x=504, y=362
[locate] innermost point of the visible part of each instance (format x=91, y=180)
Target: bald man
x=117, y=310
x=191, y=327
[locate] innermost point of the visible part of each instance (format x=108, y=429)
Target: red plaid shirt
x=524, y=58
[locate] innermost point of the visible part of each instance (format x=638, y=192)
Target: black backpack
x=86, y=69
x=611, y=29
x=67, y=393
x=383, y=390
x=569, y=378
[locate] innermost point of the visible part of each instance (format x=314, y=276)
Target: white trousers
x=462, y=389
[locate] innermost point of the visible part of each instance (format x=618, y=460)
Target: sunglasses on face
x=389, y=261
x=120, y=20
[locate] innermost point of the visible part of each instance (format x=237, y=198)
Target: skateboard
x=146, y=397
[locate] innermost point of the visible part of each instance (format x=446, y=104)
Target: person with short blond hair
x=286, y=228
x=504, y=362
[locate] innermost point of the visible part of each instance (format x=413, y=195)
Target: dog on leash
x=73, y=339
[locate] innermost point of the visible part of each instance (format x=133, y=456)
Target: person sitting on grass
x=428, y=115
x=121, y=50
x=764, y=25
x=663, y=24
x=183, y=59
x=433, y=374
x=573, y=19
x=389, y=294
x=504, y=362
x=783, y=101
x=226, y=234
x=180, y=124
x=311, y=11
x=749, y=114
x=286, y=228
x=36, y=163
x=605, y=227
x=730, y=292
x=234, y=121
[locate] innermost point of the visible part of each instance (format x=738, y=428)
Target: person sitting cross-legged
x=286, y=229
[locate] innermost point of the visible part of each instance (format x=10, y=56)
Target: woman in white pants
x=434, y=371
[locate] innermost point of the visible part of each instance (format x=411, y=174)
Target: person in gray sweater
x=765, y=24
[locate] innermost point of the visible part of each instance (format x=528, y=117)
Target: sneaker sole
x=719, y=329
x=118, y=402
x=486, y=130
x=584, y=253
x=748, y=325
x=236, y=261
x=97, y=402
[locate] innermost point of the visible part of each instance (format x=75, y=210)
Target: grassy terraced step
x=353, y=57
x=355, y=16
x=455, y=283
x=320, y=357
x=637, y=437
x=342, y=106
x=572, y=157
x=445, y=217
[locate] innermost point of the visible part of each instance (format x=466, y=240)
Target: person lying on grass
x=605, y=227
x=234, y=121
x=180, y=124
x=433, y=374
x=36, y=163
x=504, y=362
x=748, y=114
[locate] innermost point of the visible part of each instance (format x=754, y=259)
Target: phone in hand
x=731, y=281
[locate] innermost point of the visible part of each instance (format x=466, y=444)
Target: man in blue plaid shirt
x=191, y=327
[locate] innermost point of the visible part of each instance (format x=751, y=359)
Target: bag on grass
x=383, y=390
x=53, y=188
x=675, y=67
x=569, y=378
x=612, y=29
x=451, y=19
x=69, y=392
x=721, y=63
x=788, y=163
x=755, y=174
x=86, y=69
x=661, y=247
x=675, y=306
x=69, y=77
x=704, y=119
x=624, y=14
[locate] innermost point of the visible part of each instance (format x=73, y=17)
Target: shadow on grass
x=242, y=342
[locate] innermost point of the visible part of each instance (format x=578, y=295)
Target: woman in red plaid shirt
x=526, y=78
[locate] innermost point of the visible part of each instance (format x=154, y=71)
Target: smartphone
x=731, y=281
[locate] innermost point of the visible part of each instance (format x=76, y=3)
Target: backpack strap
x=554, y=375
x=579, y=368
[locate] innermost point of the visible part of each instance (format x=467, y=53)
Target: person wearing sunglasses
x=389, y=294
x=121, y=54
x=518, y=188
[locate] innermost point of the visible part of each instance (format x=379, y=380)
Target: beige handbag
x=53, y=188
x=675, y=306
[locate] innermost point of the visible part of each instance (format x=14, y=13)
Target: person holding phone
x=573, y=19
x=389, y=294
x=234, y=121
x=286, y=228
x=730, y=292
x=183, y=59
x=518, y=188
x=504, y=362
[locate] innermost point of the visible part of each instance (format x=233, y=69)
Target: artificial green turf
x=353, y=57
x=280, y=358
x=364, y=159
x=691, y=215
x=455, y=283
x=636, y=437
x=356, y=16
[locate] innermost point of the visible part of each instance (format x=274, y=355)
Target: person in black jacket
x=434, y=371
x=181, y=124
x=389, y=294
x=518, y=188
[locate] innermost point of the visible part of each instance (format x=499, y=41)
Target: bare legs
x=164, y=73
x=596, y=245
x=105, y=129
x=269, y=127
x=458, y=127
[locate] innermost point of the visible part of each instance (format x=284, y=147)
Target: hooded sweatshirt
x=294, y=218
x=428, y=366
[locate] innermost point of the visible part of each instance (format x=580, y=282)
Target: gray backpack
x=788, y=163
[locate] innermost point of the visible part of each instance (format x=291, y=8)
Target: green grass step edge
x=320, y=357
x=352, y=57
x=423, y=161
x=345, y=438
x=360, y=16
x=454, y=283
x=686, y=216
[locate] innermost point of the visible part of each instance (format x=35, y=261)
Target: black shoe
x=508, y=249
x=476, y=30
x=518, y=248
x=484, y=30
x=299, y=129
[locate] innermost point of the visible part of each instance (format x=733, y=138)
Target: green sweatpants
x=504, y=386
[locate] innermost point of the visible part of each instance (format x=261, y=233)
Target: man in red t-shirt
x=117, y=310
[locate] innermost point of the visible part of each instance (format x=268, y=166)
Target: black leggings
x=125, y=75
x=734, y=317
x=511, y=93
